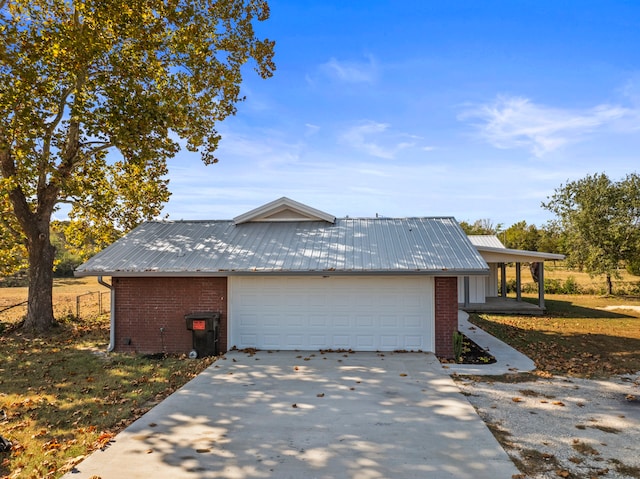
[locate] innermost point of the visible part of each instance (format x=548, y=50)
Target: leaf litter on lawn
x=62, y=397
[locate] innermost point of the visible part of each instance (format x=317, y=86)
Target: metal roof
x=348, y=246
x=490, y=241
x=493, y=251
x=506, y=255
x=284, y=209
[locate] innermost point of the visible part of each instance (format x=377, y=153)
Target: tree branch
x=97, y=150
x=46, y=149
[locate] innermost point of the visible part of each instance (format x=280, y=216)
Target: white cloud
x=350, y=71
x=311, y=129
x=517, y=122
x=373, y=139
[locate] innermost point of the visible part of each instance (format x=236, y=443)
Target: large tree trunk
x=40, y=299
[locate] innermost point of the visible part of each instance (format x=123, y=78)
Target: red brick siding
x=446, y=311
x=145, y=305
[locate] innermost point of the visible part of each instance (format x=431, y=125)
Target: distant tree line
x=520, y=235
x=597, y=226
x=71, y=250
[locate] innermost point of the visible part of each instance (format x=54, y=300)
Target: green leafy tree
x=550, y=238
x=521, y=236
x=79, y=79
x=600, y=220
x=68, y=257
x=480, y=227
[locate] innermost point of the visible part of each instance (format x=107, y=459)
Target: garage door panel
x=411, y=322
x=270, y=320
x=269, y=341
x=340, y=342
x=341, y=320
x=318, y=320
x=365, y=342
x=412, y=342
x=389, y=342
x=318, y=341
x=296, y=341
x=361, y=313
x=365, y=321
x=389, y=322
x=248, y=338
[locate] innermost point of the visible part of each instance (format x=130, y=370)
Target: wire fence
x=83, y=306
x=7, y=308
x=92, y=303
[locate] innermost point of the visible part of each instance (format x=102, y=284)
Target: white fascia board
x=284, y=203
x=505, y=255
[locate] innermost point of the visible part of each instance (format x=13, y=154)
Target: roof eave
x=157, y=273
x=521, y=253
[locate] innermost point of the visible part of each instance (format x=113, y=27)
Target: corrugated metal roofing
x=492, y=250
x=350, y=245
x=489, y=241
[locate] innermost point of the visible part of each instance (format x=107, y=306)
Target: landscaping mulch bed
x=471, y=354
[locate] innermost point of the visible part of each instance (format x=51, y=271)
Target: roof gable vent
x=283, y=210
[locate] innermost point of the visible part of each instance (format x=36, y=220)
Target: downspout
x=112, y=315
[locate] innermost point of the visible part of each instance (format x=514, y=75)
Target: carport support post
x=503, y=280
x=541, y=284
x=466, y=292
x=518, y=283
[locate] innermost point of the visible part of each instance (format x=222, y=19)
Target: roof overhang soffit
x=504, y=255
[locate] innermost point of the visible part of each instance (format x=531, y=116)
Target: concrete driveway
x=308, y=415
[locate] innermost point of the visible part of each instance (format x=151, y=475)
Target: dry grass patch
x=65, y=294
x=558, y=273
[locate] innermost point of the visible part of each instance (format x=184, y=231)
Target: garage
x=362, y=313
x=288, y=276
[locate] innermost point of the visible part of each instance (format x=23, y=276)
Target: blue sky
x=473, y=109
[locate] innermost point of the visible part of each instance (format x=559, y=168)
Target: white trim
x=301, y=212
x=506, y=255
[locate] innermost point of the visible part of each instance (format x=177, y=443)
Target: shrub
x=458, y=342
x=571, y=286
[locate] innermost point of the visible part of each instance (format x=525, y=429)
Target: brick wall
x=149, y=312
x=446, y=311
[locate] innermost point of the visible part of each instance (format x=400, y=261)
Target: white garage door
x=363, y=313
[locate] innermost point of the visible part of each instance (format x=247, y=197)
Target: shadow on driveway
x=309, y=415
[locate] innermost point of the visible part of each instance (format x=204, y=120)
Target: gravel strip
x=563, y=427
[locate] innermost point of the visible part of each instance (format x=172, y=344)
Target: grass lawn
x=61, y=396
x=577, y=336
